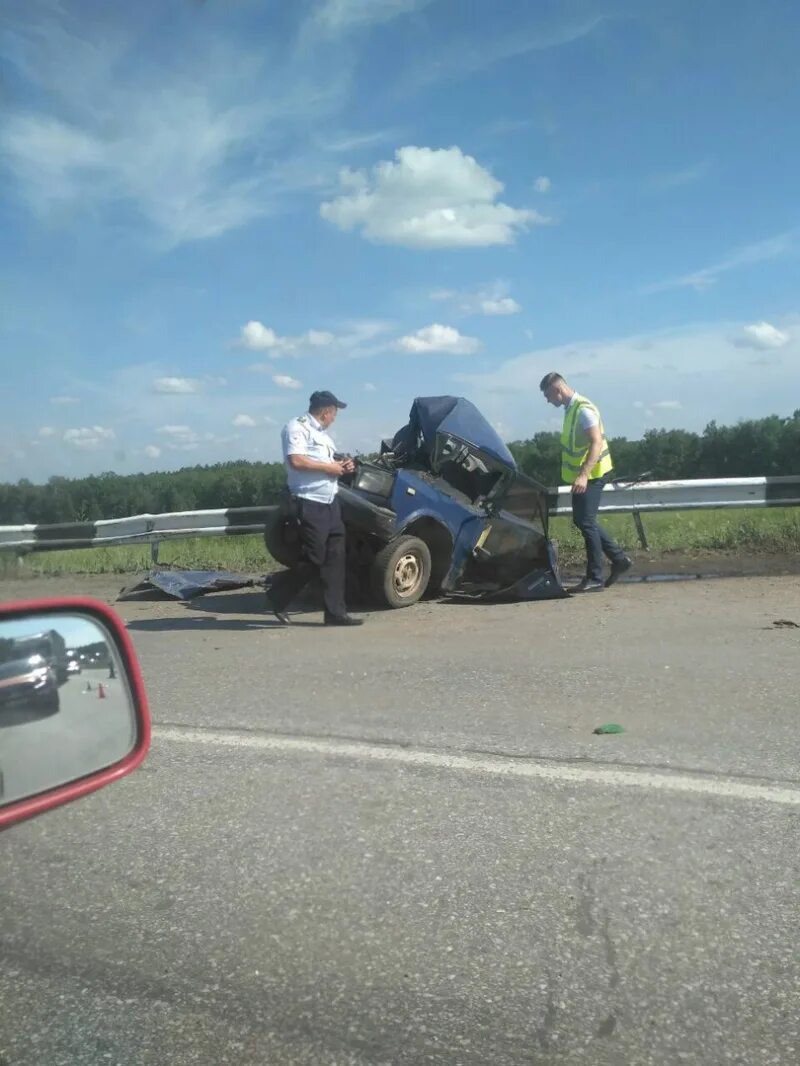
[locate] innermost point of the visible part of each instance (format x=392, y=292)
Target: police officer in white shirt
x=312, y=472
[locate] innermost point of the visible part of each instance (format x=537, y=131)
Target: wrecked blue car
x=442, y=510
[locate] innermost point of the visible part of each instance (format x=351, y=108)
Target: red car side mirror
x=73, y=708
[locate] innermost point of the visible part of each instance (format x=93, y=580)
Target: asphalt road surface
x=404, y=844
x=39, y=750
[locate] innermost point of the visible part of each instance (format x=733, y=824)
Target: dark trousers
x=322, y=553
x=585, y=506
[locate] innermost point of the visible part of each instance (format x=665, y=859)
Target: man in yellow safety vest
x=586, y=466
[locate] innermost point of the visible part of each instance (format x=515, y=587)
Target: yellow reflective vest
x=575, y=444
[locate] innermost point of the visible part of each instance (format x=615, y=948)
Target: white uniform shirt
x=305, y=436
x=586, y=416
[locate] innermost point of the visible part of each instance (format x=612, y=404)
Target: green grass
x=245, y=553
x=746, y=531
x=773, y=531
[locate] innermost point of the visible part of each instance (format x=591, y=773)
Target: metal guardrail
x=636, y=498
x=647, y=497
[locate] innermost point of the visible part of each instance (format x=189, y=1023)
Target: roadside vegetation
x=744, y=532
x=760, y=447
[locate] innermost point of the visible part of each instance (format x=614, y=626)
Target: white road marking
x=501, y=765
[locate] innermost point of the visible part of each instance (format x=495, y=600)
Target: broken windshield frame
x=468, y=469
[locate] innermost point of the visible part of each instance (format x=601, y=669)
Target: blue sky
x=75, y=630
x=209, y=209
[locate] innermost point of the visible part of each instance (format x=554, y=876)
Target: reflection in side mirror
x=71, y=708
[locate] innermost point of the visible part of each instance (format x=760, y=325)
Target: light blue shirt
x=305, y=436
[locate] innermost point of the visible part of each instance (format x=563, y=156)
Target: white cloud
x=369, y=387
x=675, y=179
x=244, y=421
x=177, y=386
x=286, y=382
x=193, y=148
x=748, y=255
x=317, y=338
x=353, y=142
x=763, y=336
x=427, y=198
x=337, y=16
x=257, y=337
x=167, y=161
x=505, y=305
x=88, y=438
x=357, y=339
x=438, y=338
x=543, y=184
x=152, y=451
x=180, y=438
x=63, y=401
x=46, y=431
x=488, y=300
x=709, y=375
x=464, y=54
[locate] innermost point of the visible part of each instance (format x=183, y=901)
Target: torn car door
x=507, y=552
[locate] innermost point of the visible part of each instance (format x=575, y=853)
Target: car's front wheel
x=280, y=543
x=50, y=702
x=401, y=572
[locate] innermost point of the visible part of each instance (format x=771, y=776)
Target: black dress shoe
x=342, y=620
x=618, y=568
x=587, y=585
x=282, y=616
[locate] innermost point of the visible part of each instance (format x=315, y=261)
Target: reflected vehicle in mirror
x=48, y=646
x=26, y=681
x=62, y=736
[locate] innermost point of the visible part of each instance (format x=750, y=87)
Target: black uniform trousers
x=322, y=552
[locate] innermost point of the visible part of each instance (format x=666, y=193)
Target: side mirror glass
x=73, y=714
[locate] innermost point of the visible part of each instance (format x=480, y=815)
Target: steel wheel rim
x=407, y=574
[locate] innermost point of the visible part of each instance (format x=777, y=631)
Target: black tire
x=275, y=539
x=401, y=571
x=51, y=703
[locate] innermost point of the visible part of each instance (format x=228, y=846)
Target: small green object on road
x=610, y=727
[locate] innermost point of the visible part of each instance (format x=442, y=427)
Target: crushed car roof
x=453, y=414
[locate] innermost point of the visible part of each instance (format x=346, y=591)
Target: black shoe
x=281, y=616
x=587, y=585
x=618, y=568
x=342, y=620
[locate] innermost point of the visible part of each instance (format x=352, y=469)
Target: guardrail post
x=154, y=544
x=637, y=519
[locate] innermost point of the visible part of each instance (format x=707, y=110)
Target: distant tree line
x=194, y=488
x=755, y=448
